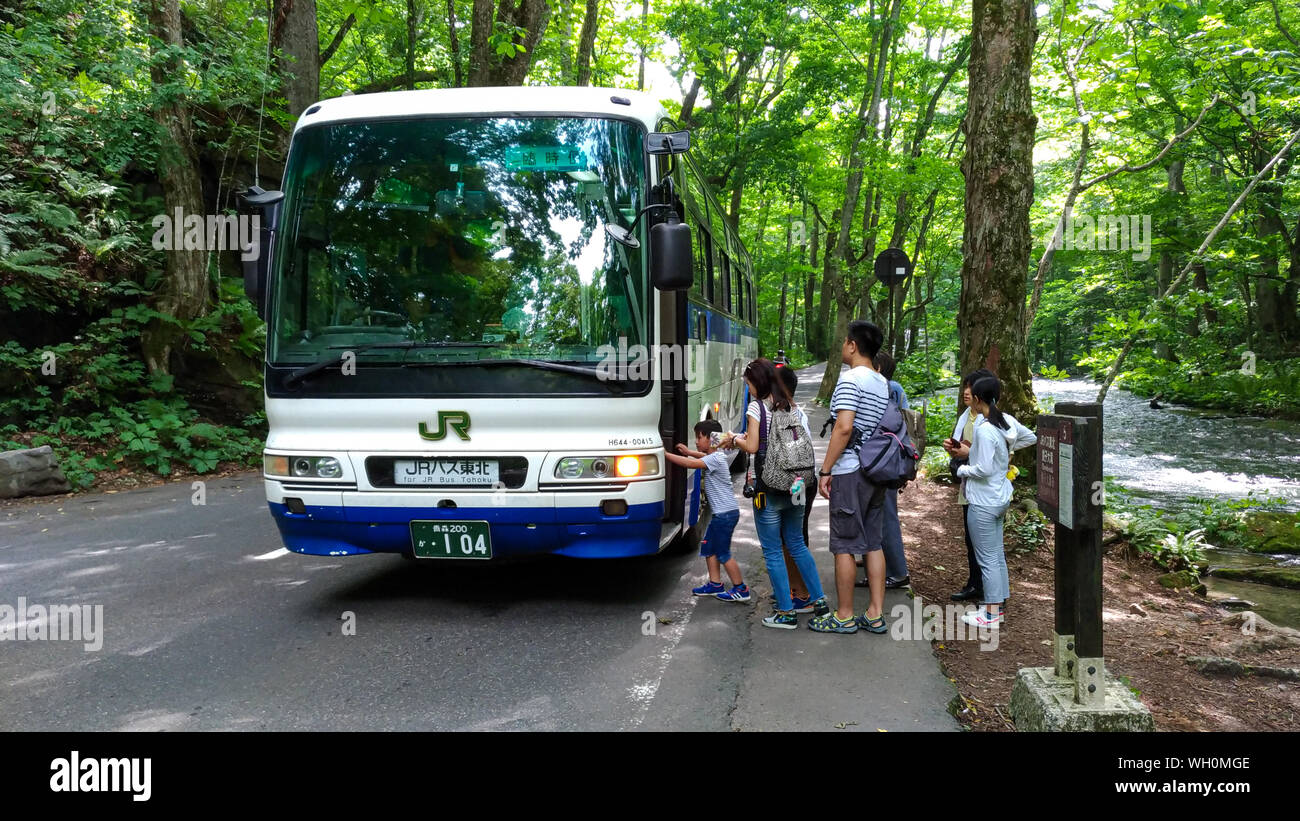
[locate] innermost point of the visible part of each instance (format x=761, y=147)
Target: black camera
x=748, y=491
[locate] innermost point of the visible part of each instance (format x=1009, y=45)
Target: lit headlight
x=628, y=466
x=605, y=467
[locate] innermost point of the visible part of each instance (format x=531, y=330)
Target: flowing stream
x=1173, y=456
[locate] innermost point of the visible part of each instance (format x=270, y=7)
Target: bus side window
x=725, y=276
x=703, y=270
x=737, y=289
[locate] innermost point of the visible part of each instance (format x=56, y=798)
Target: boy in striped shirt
x=715, y=547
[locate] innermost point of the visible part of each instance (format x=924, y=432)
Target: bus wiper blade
x=541, y=364
x=325, y=364
x=316, y=367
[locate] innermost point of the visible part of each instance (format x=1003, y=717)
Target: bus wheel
x=688, y=542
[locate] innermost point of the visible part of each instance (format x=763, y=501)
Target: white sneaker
x=979, y=618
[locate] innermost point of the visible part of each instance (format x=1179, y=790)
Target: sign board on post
x=892, y=266
x=1065, y=473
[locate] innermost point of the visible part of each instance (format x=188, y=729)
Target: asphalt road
x=208, y=624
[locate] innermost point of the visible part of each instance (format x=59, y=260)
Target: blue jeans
x=895, y=559
x=986, y=534
x=782, y=518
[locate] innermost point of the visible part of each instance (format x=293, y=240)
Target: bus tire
x=688, y=542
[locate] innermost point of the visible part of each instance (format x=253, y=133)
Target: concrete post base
x=1041, y=701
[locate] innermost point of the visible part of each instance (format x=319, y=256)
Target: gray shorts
x=857, y=514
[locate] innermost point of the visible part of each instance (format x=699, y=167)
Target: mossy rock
x=1288, y=577
x=1179, y=579
x=1273, y=532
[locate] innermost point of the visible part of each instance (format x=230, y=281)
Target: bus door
x=674, y=423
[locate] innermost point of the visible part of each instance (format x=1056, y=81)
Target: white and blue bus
x=451, y=274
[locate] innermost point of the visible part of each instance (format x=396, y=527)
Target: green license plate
x=451, y=540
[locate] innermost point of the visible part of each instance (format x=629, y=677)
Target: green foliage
x=1028, y=529
x=1181, y=551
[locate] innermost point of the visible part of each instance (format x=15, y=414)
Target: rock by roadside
x=31, y=472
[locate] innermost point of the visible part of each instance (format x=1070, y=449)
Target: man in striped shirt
x=857, y=505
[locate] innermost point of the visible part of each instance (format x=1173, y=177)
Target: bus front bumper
x=565, y=523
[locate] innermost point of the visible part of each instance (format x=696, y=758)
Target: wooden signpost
x=1070, y=493
x=1075, y=694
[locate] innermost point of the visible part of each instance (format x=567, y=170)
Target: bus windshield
x=459, y=240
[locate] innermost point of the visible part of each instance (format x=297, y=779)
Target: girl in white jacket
x=988, y=491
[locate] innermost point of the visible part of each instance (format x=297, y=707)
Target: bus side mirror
x=257, y=260
x=670, y=254
x=668, y=142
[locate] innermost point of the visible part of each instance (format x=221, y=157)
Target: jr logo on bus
x=455, y=420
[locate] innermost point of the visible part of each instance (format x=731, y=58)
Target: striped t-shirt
x=717, y=483
x=865, y=393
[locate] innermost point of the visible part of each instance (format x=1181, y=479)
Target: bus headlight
x=628, y=466
x=327, y=467
x=605, y=467
x=306, y=467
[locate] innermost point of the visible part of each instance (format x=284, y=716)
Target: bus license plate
x=451, y=540
x=457, y=472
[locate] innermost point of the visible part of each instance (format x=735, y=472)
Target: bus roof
x=509, y=100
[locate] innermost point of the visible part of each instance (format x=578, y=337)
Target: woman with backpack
x=988, y=492
x=776, y=516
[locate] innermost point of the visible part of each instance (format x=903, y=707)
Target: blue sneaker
x=739, y=592
x=709, y=589
x=782, y=621
x=820, y=607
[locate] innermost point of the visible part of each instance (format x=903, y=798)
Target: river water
x=1170, y=457
x=1173, y=455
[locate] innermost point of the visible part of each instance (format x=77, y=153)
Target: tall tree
x=183, y=293
x=999, y=173
x=496, y=60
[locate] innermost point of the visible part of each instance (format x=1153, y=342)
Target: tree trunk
x=532, y=16
x=785, y=284
x=640, y=74
x=294, y=34
x=183, y=293
x=411, y=22
x=480, y=57
x=454, y=42
x=1274, y=313
x=811, y=339
x=1167, y=263
x=587, y=41
x=999, y=173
